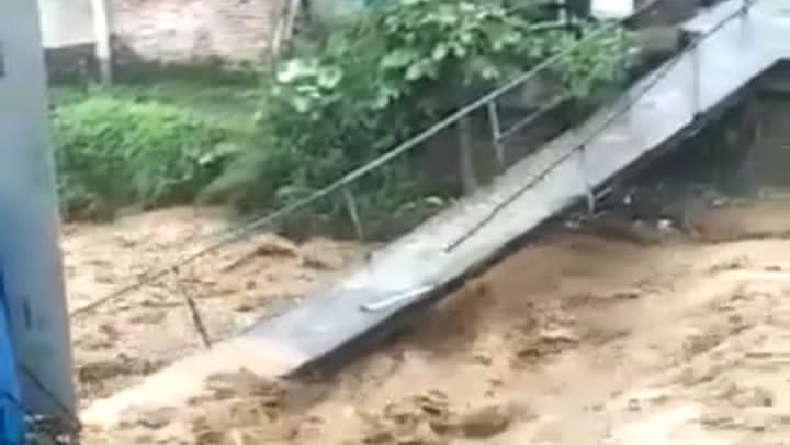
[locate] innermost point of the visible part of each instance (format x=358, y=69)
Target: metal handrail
x=580, y=147
x=227, y=236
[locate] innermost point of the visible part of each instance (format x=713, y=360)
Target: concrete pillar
x=29, y=249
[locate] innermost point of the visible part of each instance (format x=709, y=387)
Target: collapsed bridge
x=731, y=46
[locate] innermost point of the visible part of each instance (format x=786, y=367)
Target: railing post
x=467, y=164
x=746, y=25
x=496, y=134
x=745, y=5
x=194, y=311
x=695, y=79
x=589, y=193
x=353, y=213
x=627, y=55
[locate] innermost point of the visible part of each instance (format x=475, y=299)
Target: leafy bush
x=113, y=152
x=368, y=85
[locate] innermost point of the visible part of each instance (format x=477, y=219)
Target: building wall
x=168, y=30
x=66, y=22
x=179, y=30
x=155, y=39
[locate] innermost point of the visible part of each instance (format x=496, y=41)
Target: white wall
x=612, y=9
x=65, y=22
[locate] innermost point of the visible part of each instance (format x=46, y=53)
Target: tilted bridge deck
x=415, y=270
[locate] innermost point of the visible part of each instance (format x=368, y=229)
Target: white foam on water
x=175, y=385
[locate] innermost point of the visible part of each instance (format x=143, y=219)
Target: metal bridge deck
x=420, y=264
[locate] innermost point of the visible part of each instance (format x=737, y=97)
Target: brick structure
x=184, y=30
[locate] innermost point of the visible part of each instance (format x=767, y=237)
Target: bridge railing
x=520, y=116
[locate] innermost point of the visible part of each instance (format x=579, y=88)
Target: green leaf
x=490, y=72
x=458, y=50
x=445, y=15
x=294, y=70
x=466, y=37
x=440, y=51
x=485, y=69
x=419, y=70
x=329, y=77
x=300, y=103
x=399, y=58
x=384, y=76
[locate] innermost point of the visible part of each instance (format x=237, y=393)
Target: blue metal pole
x=30, y=257
x=12, y=416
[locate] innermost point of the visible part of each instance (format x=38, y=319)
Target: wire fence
x=505, y=126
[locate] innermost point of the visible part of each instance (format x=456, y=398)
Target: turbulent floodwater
x=149, y=326
x=576, y=340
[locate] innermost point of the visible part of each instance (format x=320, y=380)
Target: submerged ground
x=575, y=340
x=151, y=325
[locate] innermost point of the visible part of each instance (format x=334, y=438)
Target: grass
x=162, y=137
x=234, y=106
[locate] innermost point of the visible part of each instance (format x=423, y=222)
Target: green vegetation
x=137, y=148
x=343, y=98
x=370, y=84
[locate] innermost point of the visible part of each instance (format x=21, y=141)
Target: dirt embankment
x=577, y=340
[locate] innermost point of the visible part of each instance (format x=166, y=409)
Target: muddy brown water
x=575, y=340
